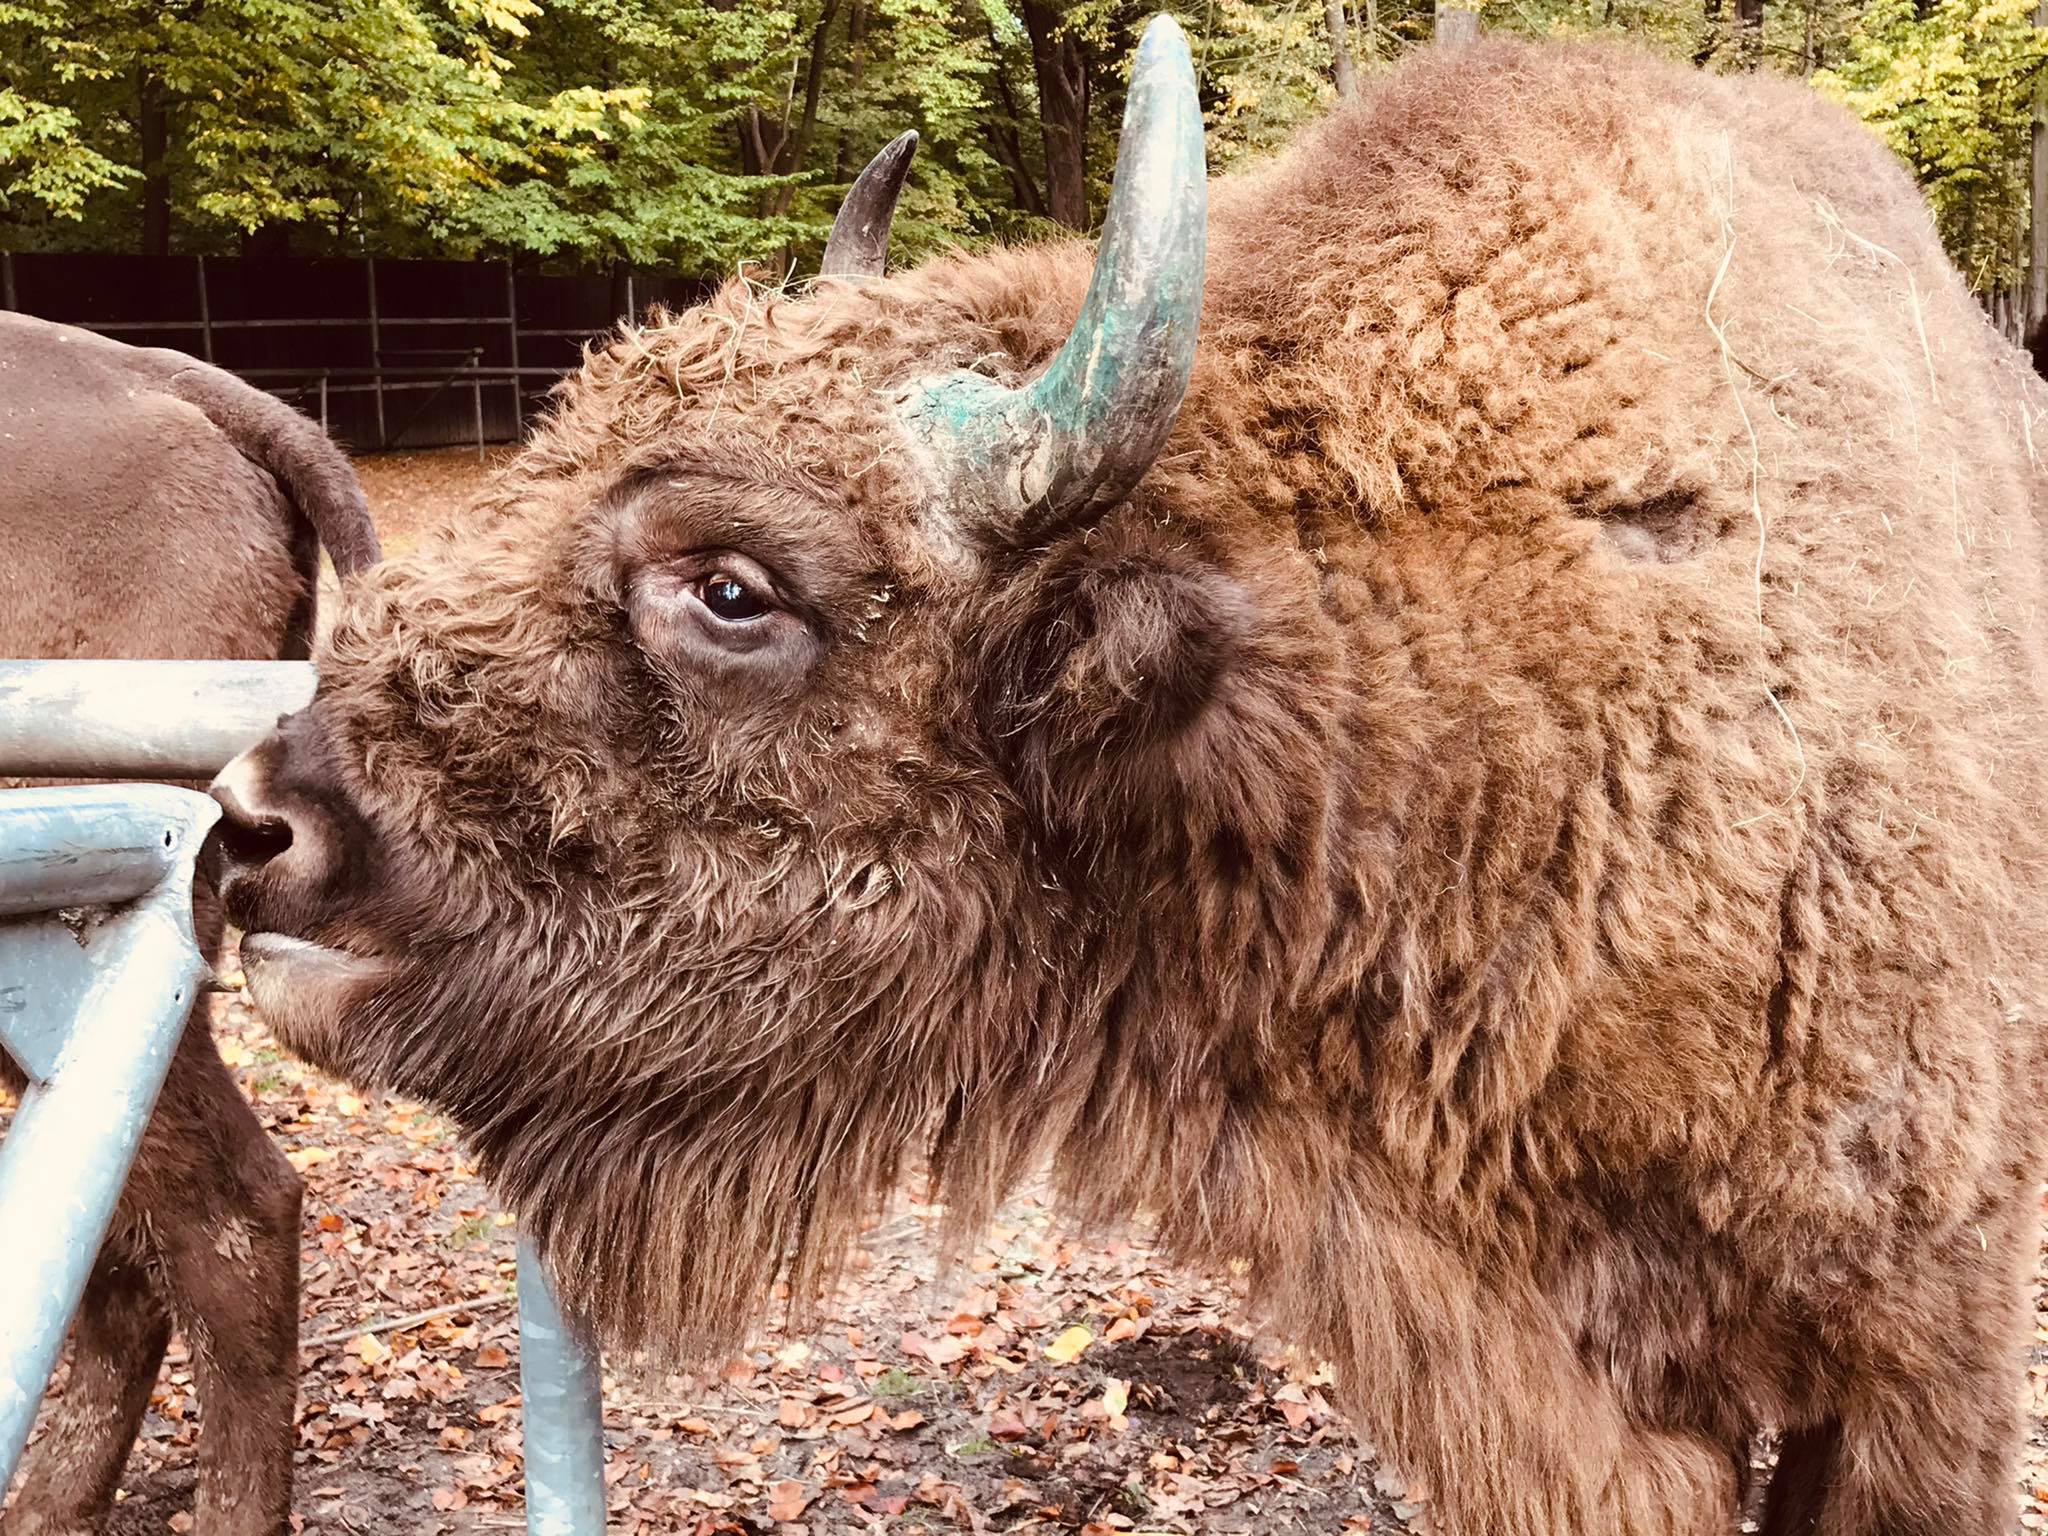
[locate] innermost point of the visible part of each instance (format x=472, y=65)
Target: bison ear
x=1102, y=661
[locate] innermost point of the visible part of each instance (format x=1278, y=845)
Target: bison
x=152, y=506
x=1502, y=789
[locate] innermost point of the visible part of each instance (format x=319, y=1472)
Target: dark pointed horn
x=859, y=243
x=1080, y=437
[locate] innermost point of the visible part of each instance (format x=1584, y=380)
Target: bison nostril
x=254, y=843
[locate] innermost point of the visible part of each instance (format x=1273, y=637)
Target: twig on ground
x=410, y=1320
x=380, y=1325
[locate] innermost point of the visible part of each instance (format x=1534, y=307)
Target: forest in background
x=694, y=136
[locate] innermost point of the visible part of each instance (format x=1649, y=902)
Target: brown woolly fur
x=1525, y=828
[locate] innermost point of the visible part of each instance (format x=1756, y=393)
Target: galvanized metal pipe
x=124, y=994
x=562, y=1388
x=140, y=719
x=89, y=845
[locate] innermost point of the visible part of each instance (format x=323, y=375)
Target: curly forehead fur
x=1525, y=828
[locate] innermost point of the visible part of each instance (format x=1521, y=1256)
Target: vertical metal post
x=376, y=349
x=476, y=395
x=512, y=334
x=323, y=402
x=632, y=309
x=93, y=1028
x=205, y=314
x=562, y=1387
x=7, y=280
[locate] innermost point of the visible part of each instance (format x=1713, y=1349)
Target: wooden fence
x=387, y=354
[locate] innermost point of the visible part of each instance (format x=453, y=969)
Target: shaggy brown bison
x=152, y=506
x=1515, y=810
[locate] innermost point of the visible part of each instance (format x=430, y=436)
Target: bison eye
x=711, y=613
x=729, y=598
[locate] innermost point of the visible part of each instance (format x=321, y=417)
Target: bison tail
x=313, y=472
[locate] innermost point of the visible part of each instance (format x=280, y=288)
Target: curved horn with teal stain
x=1079, y=437
x=859, y=243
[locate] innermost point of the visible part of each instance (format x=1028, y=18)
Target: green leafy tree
x=1952, y=90
x=700, y=136
x=48, y=165
x=245, y=115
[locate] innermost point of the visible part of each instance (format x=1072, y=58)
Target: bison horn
x=1080, y=437
x=859, y=243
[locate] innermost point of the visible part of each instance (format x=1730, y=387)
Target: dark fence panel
x=389, y=354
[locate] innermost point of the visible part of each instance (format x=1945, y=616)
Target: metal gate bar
x=92, y=1014
x=562, y=1388
x=93, y=1024
x=140, y=719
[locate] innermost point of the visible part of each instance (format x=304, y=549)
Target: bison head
x=748, y=790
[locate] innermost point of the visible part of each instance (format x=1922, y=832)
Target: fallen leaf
x=940, y=1351
x=1067, y=1348
x=787, y=1501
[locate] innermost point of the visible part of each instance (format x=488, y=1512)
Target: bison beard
x=1523, y=825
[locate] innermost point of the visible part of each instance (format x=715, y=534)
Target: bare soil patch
x=410, y=492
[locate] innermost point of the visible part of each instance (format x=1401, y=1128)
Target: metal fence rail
x=93, y=1025
x=91, y=1013
x=140, y=719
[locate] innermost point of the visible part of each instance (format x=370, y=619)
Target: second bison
x=1503, y=789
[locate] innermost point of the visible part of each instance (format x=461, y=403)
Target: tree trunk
x=1372, y=31
x=1710, y=33
x=154, y=120
x=1003, y=137
x=2037, y=214
x=778, y=146
x=1455, y=27
x=1062, y=74
x=1344, y=71
x=843, y=165
x=1749, y=32
x=796, y=138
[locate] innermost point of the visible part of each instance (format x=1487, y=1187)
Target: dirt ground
x=1052, y=1385
x=412, y=491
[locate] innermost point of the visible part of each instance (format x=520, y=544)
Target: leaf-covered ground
x=1052, y=1386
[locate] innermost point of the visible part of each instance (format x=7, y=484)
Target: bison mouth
x=307, y=991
